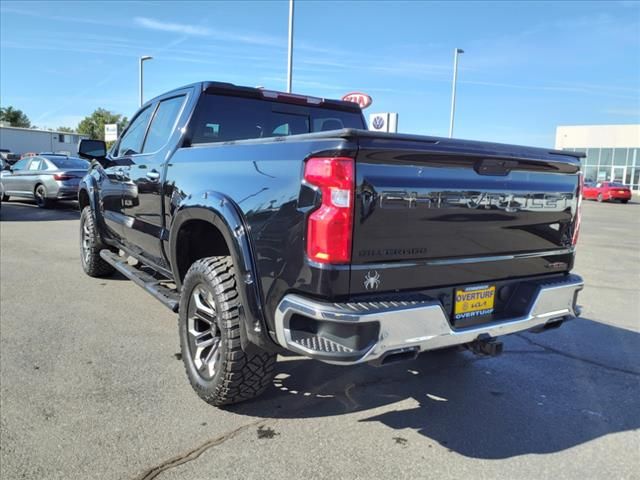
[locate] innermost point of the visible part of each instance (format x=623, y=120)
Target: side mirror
x=92, y=149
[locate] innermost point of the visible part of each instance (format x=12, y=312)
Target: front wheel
x=90, y=245
x=218, y=369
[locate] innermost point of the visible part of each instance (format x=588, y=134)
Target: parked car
x=45, y=178
x=602, y=191
x=8, y=156
x=276, y=223
x=3, y=166
x=63, y=153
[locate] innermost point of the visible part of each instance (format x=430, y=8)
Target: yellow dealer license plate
x=474, y=301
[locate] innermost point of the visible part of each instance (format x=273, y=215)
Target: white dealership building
x=23, y=140
x=613, y=151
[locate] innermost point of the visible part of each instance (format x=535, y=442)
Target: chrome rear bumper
x=351, y=333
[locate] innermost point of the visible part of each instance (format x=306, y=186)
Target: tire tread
x=243, y=376
x=96, y=266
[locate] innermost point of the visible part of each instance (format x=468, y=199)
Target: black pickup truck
x=276, y=223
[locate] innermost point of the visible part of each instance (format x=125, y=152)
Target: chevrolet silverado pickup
x=275, y=223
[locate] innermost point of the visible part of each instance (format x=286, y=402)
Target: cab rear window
x=222, y=118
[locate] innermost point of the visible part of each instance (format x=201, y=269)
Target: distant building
x=613, y=151
x=23, y=140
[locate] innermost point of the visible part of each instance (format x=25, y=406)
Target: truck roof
x=225, y=88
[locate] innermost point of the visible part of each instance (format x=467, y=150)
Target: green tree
x=93, y=125
x=16, y=118
x=65, y=129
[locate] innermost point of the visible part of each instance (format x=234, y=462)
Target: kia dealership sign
x=361, y=99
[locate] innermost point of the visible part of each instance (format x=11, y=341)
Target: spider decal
x=372, y=280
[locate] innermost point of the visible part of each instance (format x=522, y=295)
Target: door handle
x=153, y=175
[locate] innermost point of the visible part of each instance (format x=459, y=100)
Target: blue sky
x=527, y=67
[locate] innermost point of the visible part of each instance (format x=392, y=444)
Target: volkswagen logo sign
x=378, y=123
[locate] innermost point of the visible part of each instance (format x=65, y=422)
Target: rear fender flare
x=221, y=212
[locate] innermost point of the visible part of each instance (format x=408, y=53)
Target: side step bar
x=169, y=297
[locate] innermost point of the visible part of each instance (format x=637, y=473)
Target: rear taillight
x=329, y=227
x=63, y=176
x=578, y=219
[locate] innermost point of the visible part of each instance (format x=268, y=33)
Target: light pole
x=290, y=53
x=141, y=61
x=456, y=52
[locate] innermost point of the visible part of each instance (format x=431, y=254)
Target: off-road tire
x=238, y=375
x=40, y=195
x=92, y=263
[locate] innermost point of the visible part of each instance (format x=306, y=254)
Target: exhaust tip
x=395, y=356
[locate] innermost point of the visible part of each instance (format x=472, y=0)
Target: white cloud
x=624, y=112
x=567, y=88
x=200, y=31
x=183, y=28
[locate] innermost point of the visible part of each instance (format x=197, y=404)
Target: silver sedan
x=45, y=178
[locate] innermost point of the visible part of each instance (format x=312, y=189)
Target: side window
x=35, y=164
x=21, y=164
x=131, y=142
x=162, y=124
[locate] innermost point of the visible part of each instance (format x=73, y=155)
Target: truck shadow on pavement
x=545, y=394
x=27, y=211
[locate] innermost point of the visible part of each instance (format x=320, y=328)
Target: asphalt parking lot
x=92, y=386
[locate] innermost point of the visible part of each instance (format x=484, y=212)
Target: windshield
x=68, y=162
x=617, y=185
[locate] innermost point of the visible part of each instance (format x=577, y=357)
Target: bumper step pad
x=318, y=343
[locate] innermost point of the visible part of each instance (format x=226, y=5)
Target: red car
x=602, y=191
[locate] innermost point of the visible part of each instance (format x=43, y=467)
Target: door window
x=35, y=164
x=20, y=164
x=131, y=141
x=163, y=124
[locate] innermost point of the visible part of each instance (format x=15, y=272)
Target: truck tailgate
x=432, y=212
